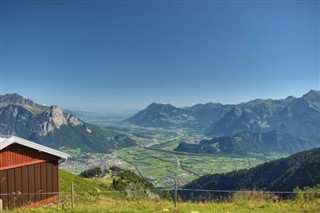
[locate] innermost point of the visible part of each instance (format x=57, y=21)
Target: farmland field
x=162, y=168
x=156, y=161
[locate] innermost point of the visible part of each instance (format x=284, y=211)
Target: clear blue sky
x=114, y=56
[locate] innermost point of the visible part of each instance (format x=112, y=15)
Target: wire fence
x=168, y=189
x=165, y=190
x=18, y=199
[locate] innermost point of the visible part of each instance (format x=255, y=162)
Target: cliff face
x=55, y=118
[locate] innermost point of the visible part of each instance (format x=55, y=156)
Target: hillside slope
x=124, y=184
x=108, y=202
x=246, y=142
x=298, y=170
x=81, y=184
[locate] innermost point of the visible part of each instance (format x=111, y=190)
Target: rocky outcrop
x=55, y=118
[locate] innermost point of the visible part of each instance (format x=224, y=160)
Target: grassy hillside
x=81, y=184
x=298, y=170
x=241, y=206
x=114, y=202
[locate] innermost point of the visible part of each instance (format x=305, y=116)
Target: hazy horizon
x=106, y=56
x=131, y=111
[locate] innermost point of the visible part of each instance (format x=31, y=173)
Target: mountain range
x=299, y=117
x=286, y=125
x=298, y=170
x=53, y=127
x=245, y=143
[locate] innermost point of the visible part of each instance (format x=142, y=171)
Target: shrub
x=307, y=193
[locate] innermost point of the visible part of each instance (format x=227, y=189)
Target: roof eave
x=23, y=142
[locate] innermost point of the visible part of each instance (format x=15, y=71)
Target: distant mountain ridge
x=162, y=115
x=16, y=99
x=53, y=127
x=245, y=143
x=299, y=117
x=298, y=170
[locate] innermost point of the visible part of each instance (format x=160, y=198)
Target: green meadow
x=162, y=167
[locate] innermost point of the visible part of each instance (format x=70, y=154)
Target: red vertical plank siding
x=49, y=179
x=4, y=188
x=55, y=178
x=43, y=180
x=11, y=189
x=18, y=186
x=25, y=184
x=37, y=179
x=31, y=184
x=24, y=173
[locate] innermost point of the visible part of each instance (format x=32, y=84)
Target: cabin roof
x=6, y=141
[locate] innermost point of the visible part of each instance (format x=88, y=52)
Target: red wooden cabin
x=28, y=173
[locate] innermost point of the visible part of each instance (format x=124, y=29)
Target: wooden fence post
x=72, y=196
x=175, y=194
x=1, y=205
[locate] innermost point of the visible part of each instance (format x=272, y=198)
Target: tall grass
x=90, y=197
x=105, y=204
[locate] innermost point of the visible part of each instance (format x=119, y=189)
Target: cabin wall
x=26, y=185
x=16, y=155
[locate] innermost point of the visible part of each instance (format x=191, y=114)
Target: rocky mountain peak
x=17, y=99
x=313, y=96
x=55, y=114
x=204, y=107
x=158, y=106
x=14, y=98
x=55, y=118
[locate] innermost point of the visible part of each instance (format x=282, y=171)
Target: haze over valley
x=202, y=139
